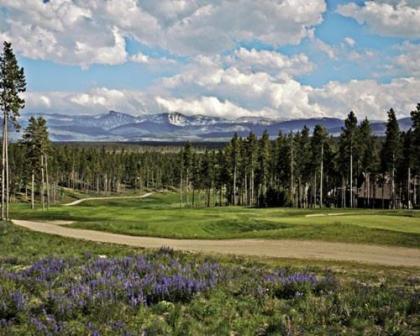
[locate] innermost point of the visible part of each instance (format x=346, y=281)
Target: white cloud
x=255, y=80
x=233, y=93
x=94, y=101
x=409, y=61
x=387, y=17
x=85, y=32
x=270, y=62
x=351, y=42
x=206, y=106
x=219, y=25
x=368, y=97
x=330, y=51
x=154, y=62
x=115, y=54
x=360, y=56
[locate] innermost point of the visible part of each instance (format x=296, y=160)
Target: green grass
x=367, y=300
x=161, y=215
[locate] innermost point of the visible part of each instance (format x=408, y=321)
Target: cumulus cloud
x=219, y=25
x=255, y=80
x=62, y=31
x=327, y=49
x=271, y=62
x=387, y=17
x=274, y=98
x=351, y=42
x=368, y=97
x=94, y=101
x=409, y=60
x=216, y=78
x=153, y=62
x=85, y=32
x=211, y=106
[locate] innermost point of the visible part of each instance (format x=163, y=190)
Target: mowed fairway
x=161, y=215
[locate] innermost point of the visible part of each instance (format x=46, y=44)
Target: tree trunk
x=292, y=187
x=367, y=184
x=47, y=181
x=252, y=185
x=321, y=178
x=234, y=183
x=383, y=196
x=351, y=178
x=208, y=197
x=33, y=191
x=3, y=169
x=393, y=182
x=408, y=188
x=187, y=186
x=42, y=183
x=180, y=189
x=7, y=171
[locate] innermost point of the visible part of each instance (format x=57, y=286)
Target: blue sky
x=279, y=59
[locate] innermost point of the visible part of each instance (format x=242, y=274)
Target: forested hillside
x=300, y=169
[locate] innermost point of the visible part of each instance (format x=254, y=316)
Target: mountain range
x=118, y=126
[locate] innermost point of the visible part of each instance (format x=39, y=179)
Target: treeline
x=306, y=170
x=302, y=169
x=40, y=169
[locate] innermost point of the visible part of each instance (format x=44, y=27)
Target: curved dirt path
x=105, y=198
x=301, y=249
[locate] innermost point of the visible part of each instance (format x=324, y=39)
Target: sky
x=281, y=59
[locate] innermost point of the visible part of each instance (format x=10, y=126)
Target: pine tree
x=235, y=157
x=391, y=151
x=12, y=84
x=32, y=154
x=45, y=149
x=367, y=155
x=347, y=151
x=264, y=158
x=303, y=169
x=317, y=147
x=415, y=117
x=406, y=165
x=252, y=162
x=187, y=168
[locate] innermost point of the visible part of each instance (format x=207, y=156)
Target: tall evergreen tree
x=32, y=154
x=303, y=169
x=367, y=156
x=235, y=157
x=252, y=164
x=318, y=140
x=391, y=151
x=406, y=165
x=12, y=84
x=415, y=117
x=347, y=151
x=264, y=157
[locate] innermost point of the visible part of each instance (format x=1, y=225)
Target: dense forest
x=301, y=169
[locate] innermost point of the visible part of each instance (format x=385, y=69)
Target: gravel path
x=309, y=249
x=105, y=198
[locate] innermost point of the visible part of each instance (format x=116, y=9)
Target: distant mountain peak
x=120, y=126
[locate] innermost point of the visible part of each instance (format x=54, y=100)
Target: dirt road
x=105, y=198
x=309, y=249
